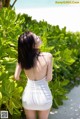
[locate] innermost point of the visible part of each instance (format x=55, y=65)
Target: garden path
x=70, y=108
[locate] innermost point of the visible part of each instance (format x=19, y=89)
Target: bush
x=10, y=91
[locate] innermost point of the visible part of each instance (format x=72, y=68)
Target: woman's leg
x=43, y=114
x=30, y=114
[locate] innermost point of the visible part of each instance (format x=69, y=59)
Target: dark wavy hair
x=27, y=51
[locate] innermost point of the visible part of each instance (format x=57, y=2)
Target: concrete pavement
x=70, y=108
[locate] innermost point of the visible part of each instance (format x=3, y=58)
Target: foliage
x=10, y=91
x=64, y=46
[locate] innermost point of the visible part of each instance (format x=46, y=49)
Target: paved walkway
x=71, y=107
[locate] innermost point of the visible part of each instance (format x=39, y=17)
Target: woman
x=38, y=69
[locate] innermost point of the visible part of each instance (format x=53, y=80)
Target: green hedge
x=10, y=91
x=64, y=46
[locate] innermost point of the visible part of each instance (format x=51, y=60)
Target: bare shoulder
x=47, y=54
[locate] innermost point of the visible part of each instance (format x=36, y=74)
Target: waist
x=40, y=81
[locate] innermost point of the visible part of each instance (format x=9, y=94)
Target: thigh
x=43, y=114
x=30, y=114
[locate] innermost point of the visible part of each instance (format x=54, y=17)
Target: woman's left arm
x=17, y=71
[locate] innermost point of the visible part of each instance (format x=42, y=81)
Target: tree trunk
x=0, y=4
x=6, y=3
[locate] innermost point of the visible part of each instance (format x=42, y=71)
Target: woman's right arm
x=49, y=67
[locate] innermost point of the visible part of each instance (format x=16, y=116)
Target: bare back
x=42, y=68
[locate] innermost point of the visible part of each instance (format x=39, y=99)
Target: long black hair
x=27, y=51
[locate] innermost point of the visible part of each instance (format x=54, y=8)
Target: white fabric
x=37, y=95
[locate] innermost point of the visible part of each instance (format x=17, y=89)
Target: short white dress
x=37, y=95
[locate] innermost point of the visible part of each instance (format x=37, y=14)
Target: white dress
x=37, y=95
